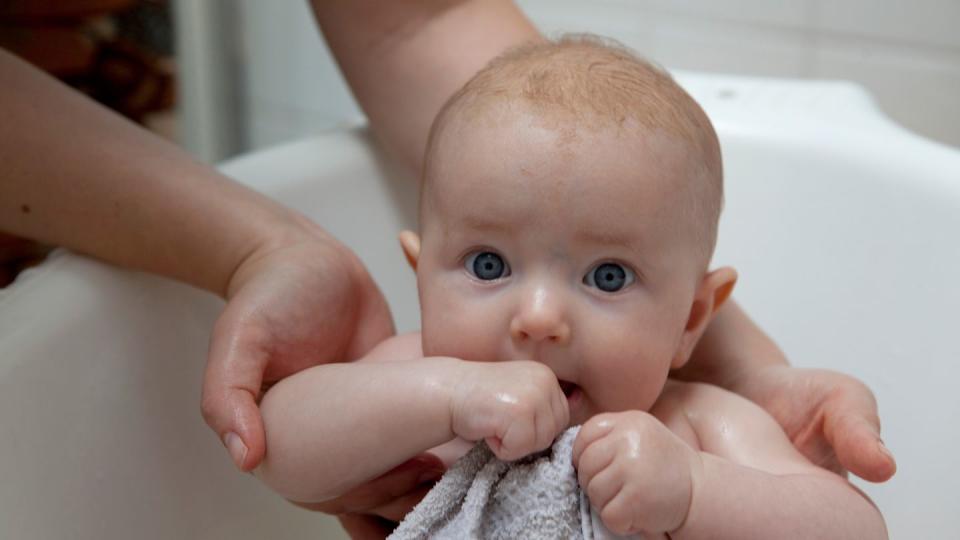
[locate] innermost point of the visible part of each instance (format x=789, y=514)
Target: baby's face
x=564, y=250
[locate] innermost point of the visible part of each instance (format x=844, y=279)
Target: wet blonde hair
x=586, y=82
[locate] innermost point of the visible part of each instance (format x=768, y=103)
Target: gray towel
x=481, y=497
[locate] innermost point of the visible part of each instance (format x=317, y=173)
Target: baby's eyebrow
x=484, y=223
x=607, y=238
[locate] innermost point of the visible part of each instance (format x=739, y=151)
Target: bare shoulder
x=400, y=347
x=730, y=426
x=681, y=404
x=694, y=399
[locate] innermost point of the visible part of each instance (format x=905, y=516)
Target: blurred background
x=224, y=77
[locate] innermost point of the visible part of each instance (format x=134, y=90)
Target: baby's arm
x=334, y=426
x=753, y=483
x=331, y=427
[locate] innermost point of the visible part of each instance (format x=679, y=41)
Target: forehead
x=515, y=166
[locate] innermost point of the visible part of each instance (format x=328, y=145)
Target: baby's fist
x=517, y=407
x=637, y=473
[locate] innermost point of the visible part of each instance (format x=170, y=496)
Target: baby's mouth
x=568, y=388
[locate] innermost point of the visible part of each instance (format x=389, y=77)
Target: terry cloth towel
x=481, y=497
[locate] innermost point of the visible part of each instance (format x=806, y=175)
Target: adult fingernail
x=238, y=450
x=884, y=450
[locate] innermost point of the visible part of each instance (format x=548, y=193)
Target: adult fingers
x=852, y=427
x=231, y=386
x=386, y=489
x=813, y=444
x=396, y=509
x=366, y=527
x=378, y=522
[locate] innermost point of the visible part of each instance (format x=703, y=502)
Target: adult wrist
x=281, y=228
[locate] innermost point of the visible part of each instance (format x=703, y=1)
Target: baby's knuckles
x=507, y=401
x=655, y=467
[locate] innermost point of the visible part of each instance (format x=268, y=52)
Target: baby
x=568, y=214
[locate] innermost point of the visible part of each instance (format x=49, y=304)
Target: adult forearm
x=732, y=345
x=737, y=502
x=77, y=175
x=403, y=59
x=332, y=427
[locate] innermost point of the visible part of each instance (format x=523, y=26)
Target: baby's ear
x=715, y=288
x=410, y=243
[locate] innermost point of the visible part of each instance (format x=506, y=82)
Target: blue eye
x=609, y=277
x=487, y=265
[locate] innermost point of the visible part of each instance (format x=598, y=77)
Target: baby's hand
x=637, y=473
x=517, y=407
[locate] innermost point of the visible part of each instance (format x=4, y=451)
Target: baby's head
x=569, y=209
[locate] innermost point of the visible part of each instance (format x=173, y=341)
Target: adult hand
x=292, y=303
x=830, y=417
x=373, y=510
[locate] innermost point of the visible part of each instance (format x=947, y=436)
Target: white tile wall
x=292, y=85
x=917, y=86
x=763, y=12
x=925, y=22
x=907, y=53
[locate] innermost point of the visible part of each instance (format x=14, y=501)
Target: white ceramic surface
x=842, y=225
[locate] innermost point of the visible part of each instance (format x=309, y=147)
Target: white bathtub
x=842, y=225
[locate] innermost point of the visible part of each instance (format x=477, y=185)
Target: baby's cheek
x=467, y=342
x=463, y=329
x=629, y=371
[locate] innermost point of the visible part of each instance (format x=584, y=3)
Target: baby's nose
x=541, y=317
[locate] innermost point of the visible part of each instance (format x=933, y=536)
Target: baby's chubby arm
x=335, y=426
x=714, y=465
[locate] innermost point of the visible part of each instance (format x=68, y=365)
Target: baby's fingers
x=525, y=434
x=519, y=439
x=595, y=459
x=617, y=514
x=530, y=424
x=596, y=428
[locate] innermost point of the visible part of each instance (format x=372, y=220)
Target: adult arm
x=77, y=175
x=404, y=59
